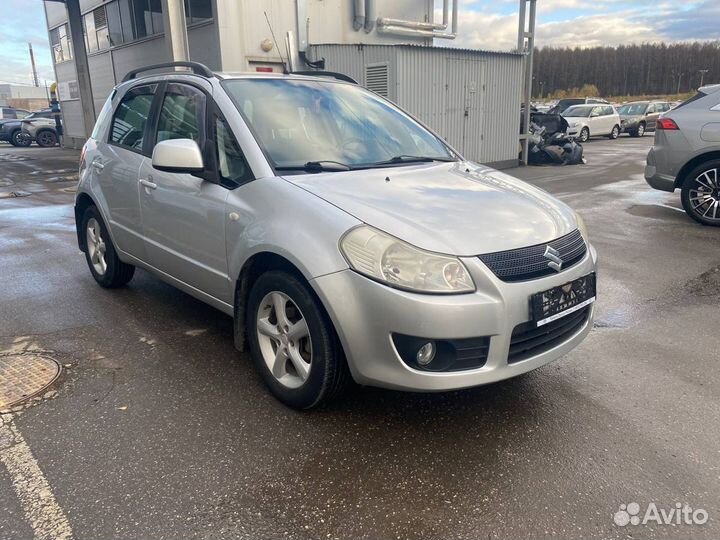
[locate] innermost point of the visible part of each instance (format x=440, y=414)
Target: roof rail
x=333, y=74
x=196, y=67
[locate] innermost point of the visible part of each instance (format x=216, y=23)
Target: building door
x=463, y=105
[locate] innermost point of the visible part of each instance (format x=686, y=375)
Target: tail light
x=667, y=124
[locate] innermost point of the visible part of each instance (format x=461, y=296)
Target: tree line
x=627, y=70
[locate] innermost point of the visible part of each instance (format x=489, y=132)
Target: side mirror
x=178, y=156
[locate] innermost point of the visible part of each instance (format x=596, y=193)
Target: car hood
x=454, y=208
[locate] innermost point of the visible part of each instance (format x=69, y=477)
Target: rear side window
x=9, y=113
x=182, y=115
x=697, y=96
x=608, y=110
x=131, y=116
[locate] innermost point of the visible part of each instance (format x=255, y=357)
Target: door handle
x=98, y=165
x=148, y=183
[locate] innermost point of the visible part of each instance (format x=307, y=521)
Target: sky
x=486, y=24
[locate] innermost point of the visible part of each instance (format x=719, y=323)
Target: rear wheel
x=639, y=131
x=584, y=135
x=615, y=133
x=701, y=193
x=102, y=260
x=46, y=138
x=16, y=139
x=293, y=342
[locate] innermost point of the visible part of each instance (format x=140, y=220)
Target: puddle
x=655, y=211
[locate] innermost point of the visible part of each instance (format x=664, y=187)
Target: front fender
x=276, y=216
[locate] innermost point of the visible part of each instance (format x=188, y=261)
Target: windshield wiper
x=405, y=158
x=316, y=166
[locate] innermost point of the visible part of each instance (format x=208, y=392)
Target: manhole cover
x=23, y=376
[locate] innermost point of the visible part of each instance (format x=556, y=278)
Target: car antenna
x=285, y=68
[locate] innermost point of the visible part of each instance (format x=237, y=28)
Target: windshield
x=633, y=109
x=575, y=112
x=300, y=122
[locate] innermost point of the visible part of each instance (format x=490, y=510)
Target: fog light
x=425, y=354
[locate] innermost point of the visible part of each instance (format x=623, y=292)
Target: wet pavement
x=158, y=428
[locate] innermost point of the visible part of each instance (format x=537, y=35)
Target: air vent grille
x=376, y=79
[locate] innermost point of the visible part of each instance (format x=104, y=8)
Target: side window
x=609, y=110
x=652, y=108
x=131, y=116
x=182, y=115
x=230, y=160
x=9, y=113
x=597, y=111
x=19, y=113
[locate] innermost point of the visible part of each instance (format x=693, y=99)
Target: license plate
x=558, y=302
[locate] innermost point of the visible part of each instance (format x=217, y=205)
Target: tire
x=46, y=138
x=102, y=260
x=615, y=133
x=21, y=142
x=700, y=193
x=584, y=135
x=322, y=374
x=639, y=131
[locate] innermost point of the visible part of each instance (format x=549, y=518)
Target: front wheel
x=102, y=260
x=639, y=131
x=16, y=139
x=584, y=135
x=615, y=133
x=293, y=342
x=701, y=193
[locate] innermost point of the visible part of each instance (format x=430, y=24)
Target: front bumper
x=366, y=314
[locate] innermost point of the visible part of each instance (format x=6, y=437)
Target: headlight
x=397, y=263
x=582, y=227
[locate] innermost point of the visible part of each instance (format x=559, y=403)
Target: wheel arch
x=82, y=203
x=254, y=267
x=692, y=164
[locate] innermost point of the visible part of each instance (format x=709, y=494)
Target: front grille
x=528, y=340
x=530, y=262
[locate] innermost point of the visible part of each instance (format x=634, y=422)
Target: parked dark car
x=10, y=128
x=640, y=116
x=38, y=126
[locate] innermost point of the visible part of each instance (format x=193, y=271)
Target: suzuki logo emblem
x=553, y=256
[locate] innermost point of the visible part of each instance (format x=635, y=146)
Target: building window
x=60, y=44
x=97, y=35
x=198, y=10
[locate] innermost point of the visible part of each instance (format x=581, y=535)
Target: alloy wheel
x=704, y=195
x=641, y=130
x=284, y=339
x=96, y=246
x=45, y=138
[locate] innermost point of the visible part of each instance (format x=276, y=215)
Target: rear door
x=611, y=116
x=597, y=121
x=183, y=215
x=116, y=163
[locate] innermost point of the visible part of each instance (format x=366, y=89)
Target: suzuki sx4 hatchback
x=347, y=240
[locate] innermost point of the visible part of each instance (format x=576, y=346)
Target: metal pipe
x=402, y=31
x=176, y=38
x=422, y=29
x=359, y=14
x=369, y=15
x=302, y=25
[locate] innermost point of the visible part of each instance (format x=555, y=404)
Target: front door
x=184, y=216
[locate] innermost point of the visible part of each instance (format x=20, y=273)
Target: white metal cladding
x=469, y=97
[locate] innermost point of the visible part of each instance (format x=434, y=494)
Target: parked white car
x=592, y=121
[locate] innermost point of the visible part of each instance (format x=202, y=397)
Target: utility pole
x=32, y=62
x=526, y=44
x=702, y=73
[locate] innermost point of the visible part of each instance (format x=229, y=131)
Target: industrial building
x=471, y=98
x=29, y=98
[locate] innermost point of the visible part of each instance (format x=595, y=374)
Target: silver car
x=587, y=121
x=686, y=155
x=347, y=241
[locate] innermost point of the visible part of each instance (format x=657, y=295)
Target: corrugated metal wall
x=471, y=98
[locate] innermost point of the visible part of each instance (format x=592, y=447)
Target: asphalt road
x=159, y=429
